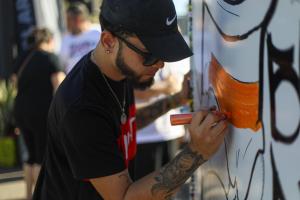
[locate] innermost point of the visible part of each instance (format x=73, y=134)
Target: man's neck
x=103, y=62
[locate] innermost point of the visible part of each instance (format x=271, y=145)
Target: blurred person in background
x=159, y=141
x=81, y=38
x=37, y=75
x=88, y=3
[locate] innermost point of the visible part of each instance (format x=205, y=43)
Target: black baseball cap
x=153, y=21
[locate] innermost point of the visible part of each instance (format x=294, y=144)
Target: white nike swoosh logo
x=169, y=22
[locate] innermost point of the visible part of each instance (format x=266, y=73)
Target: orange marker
x=186, y=118
x=181, y=119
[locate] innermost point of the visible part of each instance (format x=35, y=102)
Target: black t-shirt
x=86, y=137
x=35, y=90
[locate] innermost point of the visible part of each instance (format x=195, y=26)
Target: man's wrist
x=175, y=100
x=195, y=150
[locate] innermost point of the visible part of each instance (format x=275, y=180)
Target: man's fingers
x=198, y=119
x=206, y=119
x=213, y=118
x=207, y=130
x=220, y=138
x=218, y=128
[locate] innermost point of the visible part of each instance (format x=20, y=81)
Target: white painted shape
x=287, y=109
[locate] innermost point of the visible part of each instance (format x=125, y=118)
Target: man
x=92, y=123
x=81, y=37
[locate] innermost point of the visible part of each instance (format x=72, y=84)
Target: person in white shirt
x=81, y=38
x=159, y=141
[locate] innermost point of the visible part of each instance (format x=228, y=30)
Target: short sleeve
x=55, y=64
x=91, y=144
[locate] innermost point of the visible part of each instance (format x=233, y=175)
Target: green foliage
x=7, y=95
x=8, y=152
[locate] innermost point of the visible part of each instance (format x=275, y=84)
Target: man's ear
x=108, y=40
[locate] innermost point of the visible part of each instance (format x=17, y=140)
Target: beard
x=130, y=74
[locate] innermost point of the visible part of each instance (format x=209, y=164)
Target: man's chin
x=143, y=85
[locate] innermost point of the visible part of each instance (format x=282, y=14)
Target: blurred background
x=18, y=17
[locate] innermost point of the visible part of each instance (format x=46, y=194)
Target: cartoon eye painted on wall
x=234, y=2
x=238, y=17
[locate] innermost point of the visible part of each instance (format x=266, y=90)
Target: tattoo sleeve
x=176, y=172
x=148, y=114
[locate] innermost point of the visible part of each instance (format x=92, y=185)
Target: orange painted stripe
x=238, y=99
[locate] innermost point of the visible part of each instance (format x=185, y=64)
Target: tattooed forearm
x=176, y=172
x=148, y=114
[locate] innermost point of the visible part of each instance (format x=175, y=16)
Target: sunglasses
x=149, y=59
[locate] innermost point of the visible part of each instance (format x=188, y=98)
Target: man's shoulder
x=72, y=86
x=82, y=82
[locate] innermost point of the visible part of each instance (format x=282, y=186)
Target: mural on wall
x=247, y=63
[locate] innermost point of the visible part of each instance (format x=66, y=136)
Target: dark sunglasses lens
x=150, y=60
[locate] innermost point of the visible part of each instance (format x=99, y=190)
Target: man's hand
x=207, y=131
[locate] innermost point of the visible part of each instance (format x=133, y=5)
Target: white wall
x=255, y=44
x=47, y=14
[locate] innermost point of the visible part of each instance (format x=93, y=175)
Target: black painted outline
x=232, y=13
x=237, y=158
x=247, y=148
x=284, y=59
x=233, y=38
x=277, y=189
x=234, y=2
x=299, y=185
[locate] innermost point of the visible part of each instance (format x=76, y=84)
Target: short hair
x=39, y=36
x=78, y=9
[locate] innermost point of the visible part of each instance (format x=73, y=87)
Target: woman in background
x=37, y=75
